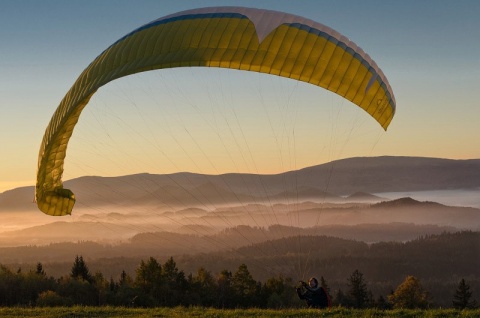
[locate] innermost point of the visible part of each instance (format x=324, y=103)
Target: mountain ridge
x=342, y=177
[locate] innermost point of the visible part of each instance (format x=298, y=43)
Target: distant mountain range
x=355, y=177
x=190, y=229
x=337, y=181
x=112, y=209
x=52, y=239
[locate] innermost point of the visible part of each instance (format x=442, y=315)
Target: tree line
x=155, y=284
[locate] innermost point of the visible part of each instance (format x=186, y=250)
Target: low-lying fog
x=466, y=198
x=460, y=210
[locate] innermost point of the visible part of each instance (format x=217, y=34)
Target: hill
x=194, y=241
x=279, y=220
x=326, y=182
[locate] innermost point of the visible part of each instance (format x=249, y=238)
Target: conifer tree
x=39, y=269
x=148, y=280
x=125, y=279
x=358, y=290
x=171, y=274
x=80, y=270
x=173, y=284
x=462, y=296
x=323, y=283
x=244, y=286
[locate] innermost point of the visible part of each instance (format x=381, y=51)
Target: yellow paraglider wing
x=229, y=37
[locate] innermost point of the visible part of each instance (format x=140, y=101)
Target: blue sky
x=429, y=51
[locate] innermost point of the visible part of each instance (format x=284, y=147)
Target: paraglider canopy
x=228, y=37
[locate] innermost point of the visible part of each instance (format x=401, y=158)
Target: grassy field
x=74, y=312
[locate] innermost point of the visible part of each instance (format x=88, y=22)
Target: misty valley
x=293, y=224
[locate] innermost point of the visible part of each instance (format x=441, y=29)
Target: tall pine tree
x=244, y=286
x=462, y=296
x=39, y=269
x=358, y=292
x=80, y=270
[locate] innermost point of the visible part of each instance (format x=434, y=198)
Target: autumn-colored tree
x=52, y=299
x=409, y=294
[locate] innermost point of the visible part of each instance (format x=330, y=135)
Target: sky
x=180, y=120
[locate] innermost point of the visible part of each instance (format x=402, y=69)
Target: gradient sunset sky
x=429, y=51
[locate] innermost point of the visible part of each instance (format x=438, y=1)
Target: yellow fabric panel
x=359, y=81
x=293, y=51
x=322, y=64
x=317, y=47
x=273, y=43
x=364, y=78
x=303, y=56
x=338, y=78
x=290, y=45
x=349, y=79
x=299, y=54
x=331, y=66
